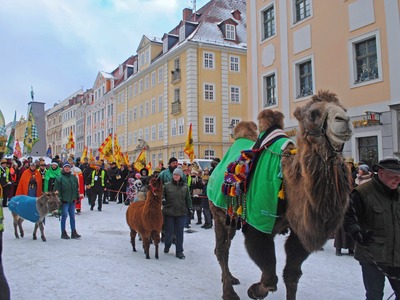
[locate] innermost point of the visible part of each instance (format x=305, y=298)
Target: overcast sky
x=59, y=46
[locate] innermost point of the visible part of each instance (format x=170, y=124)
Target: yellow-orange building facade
x=351, y=47
x=196, y=74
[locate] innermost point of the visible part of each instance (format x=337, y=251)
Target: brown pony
x=146, y=218
x=316, y=190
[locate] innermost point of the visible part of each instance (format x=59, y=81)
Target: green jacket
x=177, y=199
x=380, y=215
x=67, y=186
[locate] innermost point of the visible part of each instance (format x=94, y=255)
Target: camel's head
x=155, y=186
x=325, y=118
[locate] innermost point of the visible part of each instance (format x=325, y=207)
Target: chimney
x=187, y=12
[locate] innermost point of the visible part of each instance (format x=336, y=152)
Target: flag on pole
x=140, y=162
x=48, y=153
x=106, y=148
x=126, y=157
x=2, y=124
x=17, y=150
x=189, y=148
x=11, y=138
x=84, y=153
x=91, y=157
x=70, y=144
x=32, y=94
x=118, y=156
x=31, y=134
x=149, y=168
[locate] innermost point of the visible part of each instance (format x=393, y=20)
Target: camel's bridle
x=321, y=131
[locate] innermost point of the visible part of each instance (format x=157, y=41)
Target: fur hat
x=171, y=160
x=178, y=171
x=245, y=129
x=267, y=117
x=390, y=164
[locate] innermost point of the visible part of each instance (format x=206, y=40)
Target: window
x=153, y=132
x=135, y=113
x=230, y=32
x=160, y=103
x=135, y=89
x=130, y=92
x=153, y=78
x=146, y=134
x=160, y=158
x=177, y=64
x=181, y=126
x=130, y=139
x=140, y=85
x=153, y=106
x=173, y=127
x=182, y=33
x=160, y=131
x=304, y=85
x=208, y=60
x=209, y=91
x=160, y=74
x=235, y=94
x=234, y=63
x=141, y=111
x=130, y=115
x=269, y=90
x=268, y=17
x=177, y=95
x=302, y=9
x=135, y=137
x=368, y=149
x=146, y=82
x=209, y=154
x=234, y=121
x=181, y=154
x=209, y=124
x=146, y=109
x=366, y=60
x=140, y=134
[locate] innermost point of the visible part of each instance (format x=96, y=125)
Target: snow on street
x=101, y=265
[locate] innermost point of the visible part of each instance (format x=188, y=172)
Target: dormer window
x=230, y=32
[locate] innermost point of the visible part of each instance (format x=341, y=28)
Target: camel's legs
x=295, y=256
x=133, y=236
x=41, y=226
x=261, y=249
x=223, y=237
x=146, y=245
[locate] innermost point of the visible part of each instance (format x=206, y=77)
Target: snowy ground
x=102, y=265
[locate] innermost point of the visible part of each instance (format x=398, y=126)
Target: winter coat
x=376, y=208
x=50, y=177
x=67, y=186
x=177, y=199
x=26, y=177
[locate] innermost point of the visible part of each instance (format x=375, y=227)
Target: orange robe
x=23, y=184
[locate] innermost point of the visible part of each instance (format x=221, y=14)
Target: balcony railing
x=176, y=107
x=175, y=76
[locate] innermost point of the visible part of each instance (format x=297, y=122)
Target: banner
x=84, y=153
x=91, y=157
x=31, y=134
x=17, y=150
x=48, y=153
x=11, y=138
x=126, y=157
x=70, y=144
x=106, y=148
x=140, y=162
x=189, y=148
x=2, y=124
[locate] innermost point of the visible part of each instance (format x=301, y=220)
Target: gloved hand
x=363, y=237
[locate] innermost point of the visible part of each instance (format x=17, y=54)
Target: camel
x=316, y=188
x=146, y=218
x=33, y=209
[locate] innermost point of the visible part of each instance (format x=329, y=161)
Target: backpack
x=234, y=188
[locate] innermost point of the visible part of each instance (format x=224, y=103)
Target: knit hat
x=66, y=165
x=178, y=171
x=171, y=160
x=364, y=168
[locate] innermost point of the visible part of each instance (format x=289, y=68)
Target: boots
x=75, y=235
x=64, y=235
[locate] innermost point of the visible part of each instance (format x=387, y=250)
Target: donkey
x=33, y=209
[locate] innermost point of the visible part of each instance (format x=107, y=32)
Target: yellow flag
x=189, y=148
x=70, y=143
x=84, y=153
x=118, y=156
x=126, y=157
x=31, y=133
x=91, y=157
x=140, y=162
x=106, y=148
